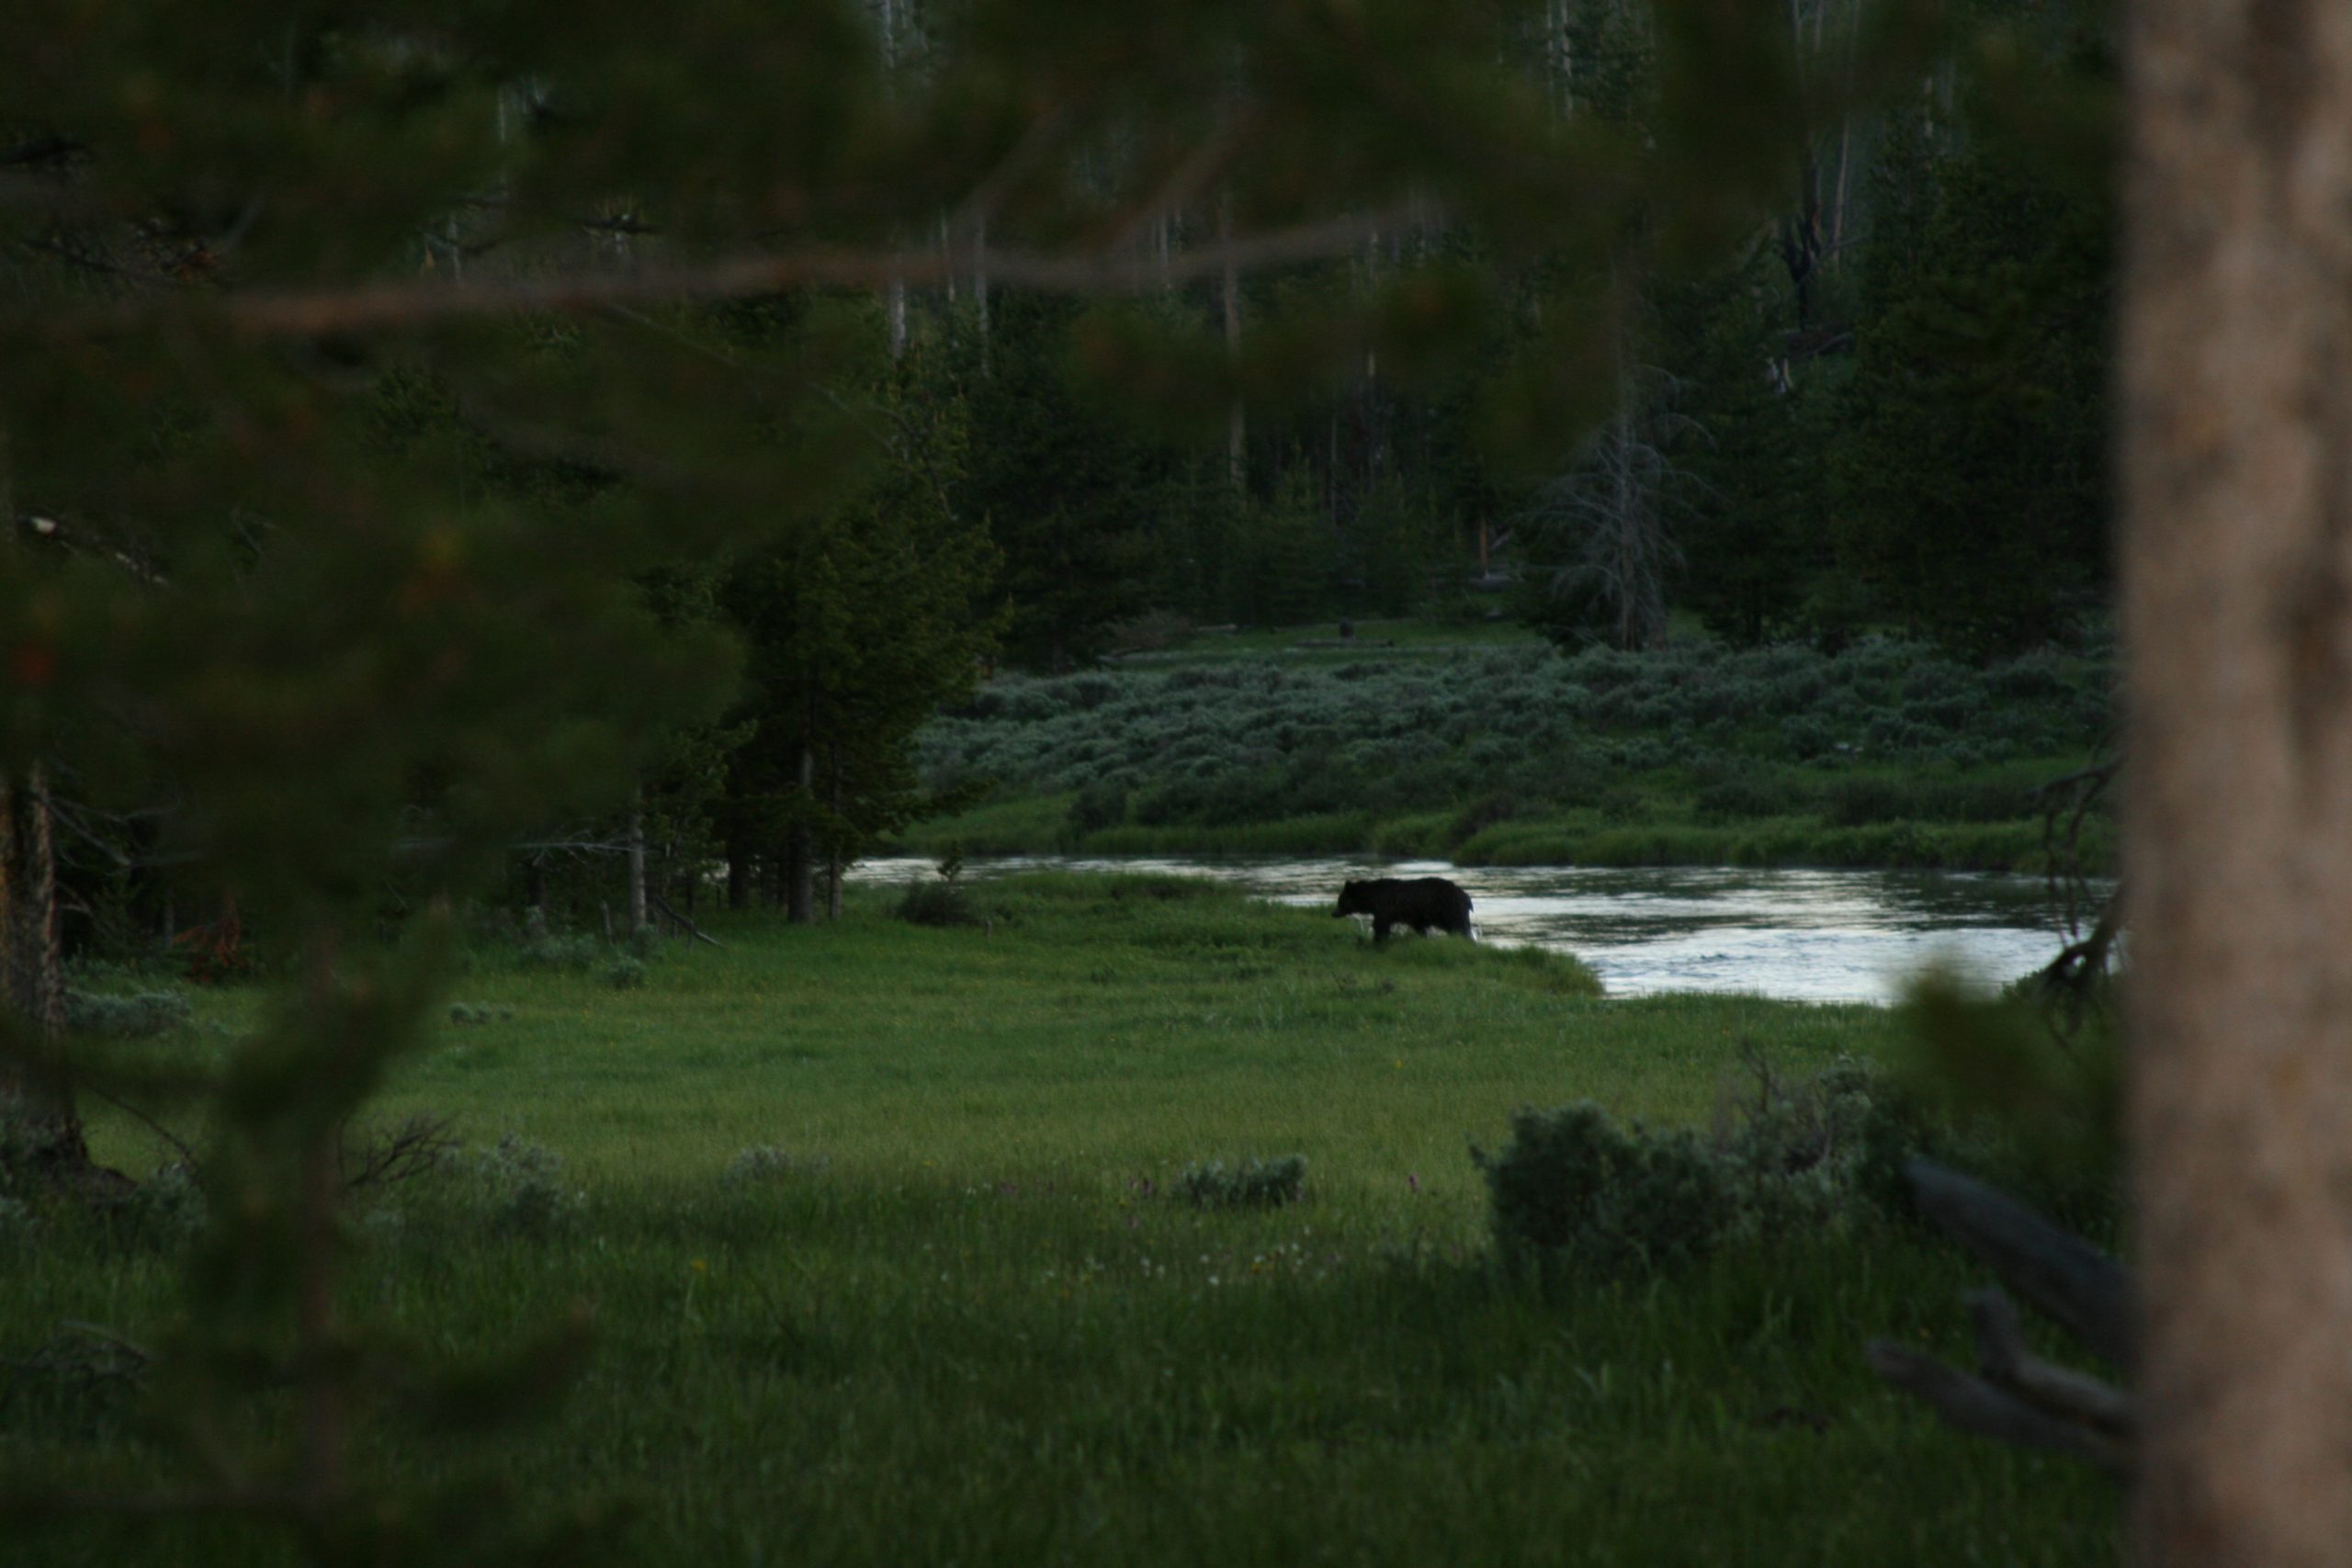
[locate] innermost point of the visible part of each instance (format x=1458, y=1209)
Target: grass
x=965, y=1323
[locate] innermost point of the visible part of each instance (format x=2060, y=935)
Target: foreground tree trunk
x=2237, y=456
x=32, y=983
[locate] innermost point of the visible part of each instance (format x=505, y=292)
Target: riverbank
x=872, y=1224
x=1806, y=935
x=1886, y=754
x=1043, y=825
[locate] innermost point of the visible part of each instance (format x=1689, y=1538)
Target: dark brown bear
x=1422, y=903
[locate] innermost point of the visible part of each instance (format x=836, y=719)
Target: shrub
x=1099, y=803
x=1575, y=1192
x=477, y=1012
x=519, y=1186
x=30, y=1146
x=936, y=904
x=169, y=1205
x=1253, y=1184
x=625, y=973
x=1572, y=1185
x=564, y=954
x=139, y=1016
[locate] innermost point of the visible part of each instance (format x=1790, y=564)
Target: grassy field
x=957, y=1318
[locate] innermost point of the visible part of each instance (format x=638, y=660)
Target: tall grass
x=958, y=1318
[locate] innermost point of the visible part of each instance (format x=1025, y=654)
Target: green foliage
x=2034, y=1096
x=1252, y=1184
x=519, y=1186
x=140, y=1015
x=574, y=953
x=859, y=628
x=169, y=1207
x=1973, y=472
x=937, y=904
x=1884, y=754
x=1576, y=1192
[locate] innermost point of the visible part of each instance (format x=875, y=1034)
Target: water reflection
x=1803, y=935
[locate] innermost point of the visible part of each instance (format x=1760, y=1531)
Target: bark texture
x=32, y=982
x=2237, y=466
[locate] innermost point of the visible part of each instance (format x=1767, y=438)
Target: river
x=1801, y=935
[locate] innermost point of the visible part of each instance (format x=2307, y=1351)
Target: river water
x=1801, y=935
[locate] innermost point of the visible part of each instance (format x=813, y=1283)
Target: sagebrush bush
x=140, y=1015
x=1253, y=1184
x=1576, y=1191
x=1230, y=744
x=562, y=952
x=169, y=1206
x=519, y=1185
x=29, y=1147
x=940, y=903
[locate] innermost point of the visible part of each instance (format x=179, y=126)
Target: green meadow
x=953, y=1313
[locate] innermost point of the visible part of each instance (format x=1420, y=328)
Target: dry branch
x=2061, y=1275
x=408, y=303
x=1975, y=1404
x=2015, y=1396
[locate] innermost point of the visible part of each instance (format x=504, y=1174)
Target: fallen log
x=2014, y=1397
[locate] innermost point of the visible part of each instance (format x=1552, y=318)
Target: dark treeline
x=1885, y=413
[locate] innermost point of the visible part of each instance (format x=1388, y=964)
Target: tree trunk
x=32, y=981
x=636, y=905
x=1236, y=425
x=981, y=284
x=738, y=832
x=801, y=847
x=833, y=866
x=2237, y=456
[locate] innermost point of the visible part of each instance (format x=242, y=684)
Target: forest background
x=1869, y=416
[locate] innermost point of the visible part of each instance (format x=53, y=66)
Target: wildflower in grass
x=699, y=1266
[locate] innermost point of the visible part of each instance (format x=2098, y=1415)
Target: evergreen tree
x=1971, y=467
x=860, y=626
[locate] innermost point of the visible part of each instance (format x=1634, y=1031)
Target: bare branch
x=2061, y=1274
x=179, y=1145
x=409, y=303
x=1972, y=1405
x=2001, y=1356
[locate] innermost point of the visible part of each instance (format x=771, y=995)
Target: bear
x=1424, y=902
